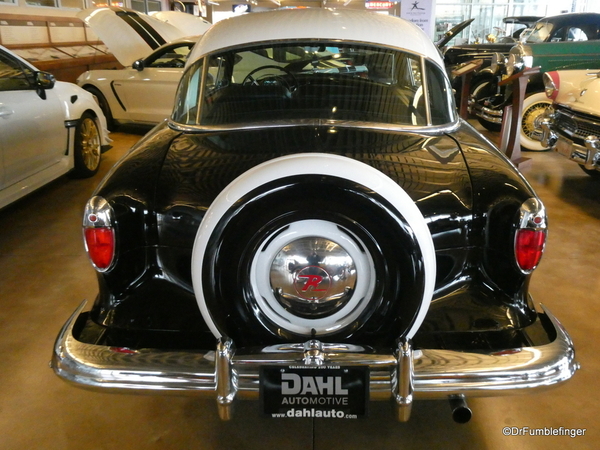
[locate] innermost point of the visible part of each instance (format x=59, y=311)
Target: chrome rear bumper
x=227, y=373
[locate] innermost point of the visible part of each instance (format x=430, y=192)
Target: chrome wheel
x=90, y=144
x=534, y=108
x=87, y=147
x=312, y=275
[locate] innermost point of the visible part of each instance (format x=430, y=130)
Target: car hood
x=453, y=32
x=580, y=91
x=191, y=25
x=131, y=35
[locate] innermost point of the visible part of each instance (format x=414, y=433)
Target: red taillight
x=100, y=244
x=99, y=233
x=529, y=246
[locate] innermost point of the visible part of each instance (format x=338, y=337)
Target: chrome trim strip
x=425, y=130
x=424, y=83
x=437, y=373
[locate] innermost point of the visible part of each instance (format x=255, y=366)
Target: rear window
x=304, y=81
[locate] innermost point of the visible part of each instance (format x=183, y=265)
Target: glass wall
x=488, y=16
x=146, y=6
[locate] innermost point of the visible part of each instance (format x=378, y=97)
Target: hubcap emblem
x=312, y=283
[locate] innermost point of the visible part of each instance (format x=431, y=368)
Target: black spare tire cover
x=313, y=245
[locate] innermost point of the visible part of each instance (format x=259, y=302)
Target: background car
x=315, y=233
x=571, y=126
x=566, y=41
x=47, y=128
x=457, y=55
x=153, y=53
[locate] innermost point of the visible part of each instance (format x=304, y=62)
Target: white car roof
x=318, y=23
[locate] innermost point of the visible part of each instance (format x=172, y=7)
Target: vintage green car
x=565, y=41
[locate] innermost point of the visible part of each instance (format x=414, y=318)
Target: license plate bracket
x=323, y=392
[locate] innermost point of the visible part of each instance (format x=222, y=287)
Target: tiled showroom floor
x=45, y=274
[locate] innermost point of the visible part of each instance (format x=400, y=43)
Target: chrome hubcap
x=313, y=277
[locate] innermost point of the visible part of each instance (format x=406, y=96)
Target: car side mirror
x=44, y=81
x=138, y=65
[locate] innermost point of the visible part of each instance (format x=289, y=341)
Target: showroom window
x=79, y=4
x=41, y=3
x=146, y=6
x=488, y=16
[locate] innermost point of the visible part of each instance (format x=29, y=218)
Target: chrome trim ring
x=335, y=307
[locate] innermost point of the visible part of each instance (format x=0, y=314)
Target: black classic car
x=457, y=55
x=562, y=42
x=316, y=228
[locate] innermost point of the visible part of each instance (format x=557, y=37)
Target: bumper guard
x=588, y=156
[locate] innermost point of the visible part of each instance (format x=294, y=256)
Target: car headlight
x=498, y=60
x=518, y=60
x=551, y=84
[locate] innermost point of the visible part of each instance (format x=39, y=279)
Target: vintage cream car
x=152, y=49
x=572, y=125
x=315, y=227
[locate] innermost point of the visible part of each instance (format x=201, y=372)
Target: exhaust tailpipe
x=461, y=413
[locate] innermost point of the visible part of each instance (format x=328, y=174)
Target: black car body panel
x=178, y=177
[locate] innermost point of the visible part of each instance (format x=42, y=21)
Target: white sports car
x=572, y=125
x=47, y=128
x=154, y=56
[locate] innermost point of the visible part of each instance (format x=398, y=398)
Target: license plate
x=321, y=392
x=563, y=147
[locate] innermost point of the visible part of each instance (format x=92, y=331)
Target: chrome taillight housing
x=99, y=233
x=530, y=237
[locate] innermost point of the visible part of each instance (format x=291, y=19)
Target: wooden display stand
x=510, y=142
x=465, y=71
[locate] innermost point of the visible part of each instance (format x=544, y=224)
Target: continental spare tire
x=313, y=245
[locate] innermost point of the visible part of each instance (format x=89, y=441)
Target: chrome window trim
x=434, y=130
x=425, y=85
